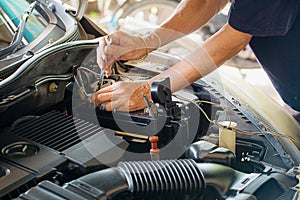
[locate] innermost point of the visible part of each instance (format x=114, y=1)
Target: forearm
x=196, y=65
x=187, y=17
x=211, y=54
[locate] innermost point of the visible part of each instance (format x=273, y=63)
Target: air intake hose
x=165, y=179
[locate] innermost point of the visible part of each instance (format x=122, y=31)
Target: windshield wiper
x=18, y=35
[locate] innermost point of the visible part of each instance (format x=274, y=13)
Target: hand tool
x=102, y=73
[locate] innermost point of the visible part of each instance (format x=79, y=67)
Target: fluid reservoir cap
x=228, y=124
x=20, y=149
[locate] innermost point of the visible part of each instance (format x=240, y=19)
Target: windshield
x=11, y=13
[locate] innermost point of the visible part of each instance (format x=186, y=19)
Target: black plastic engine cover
x=24, y=163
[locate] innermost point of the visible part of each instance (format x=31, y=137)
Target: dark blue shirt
x=275, y=26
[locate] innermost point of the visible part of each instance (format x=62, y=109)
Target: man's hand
x=123, y=96
x=123, y=47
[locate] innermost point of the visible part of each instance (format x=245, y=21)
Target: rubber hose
x=164, y=179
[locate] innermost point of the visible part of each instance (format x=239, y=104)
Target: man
x=271, y=27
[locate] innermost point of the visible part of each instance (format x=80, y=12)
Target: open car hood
x=49, y=128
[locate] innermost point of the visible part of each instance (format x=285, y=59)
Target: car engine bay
x=56, y=145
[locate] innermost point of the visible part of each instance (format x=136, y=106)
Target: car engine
x=56, y=145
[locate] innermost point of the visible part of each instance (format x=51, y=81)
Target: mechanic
x=271, y=27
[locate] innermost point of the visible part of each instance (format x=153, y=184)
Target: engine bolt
x=53, y=87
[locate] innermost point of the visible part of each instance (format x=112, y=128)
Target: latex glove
x=123, y=96
x=123, y=47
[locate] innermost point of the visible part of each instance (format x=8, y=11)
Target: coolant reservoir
x=227, y=135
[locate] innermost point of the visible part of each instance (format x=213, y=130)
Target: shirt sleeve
x=263, y=17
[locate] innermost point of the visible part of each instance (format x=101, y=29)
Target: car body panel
x=53, y=140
